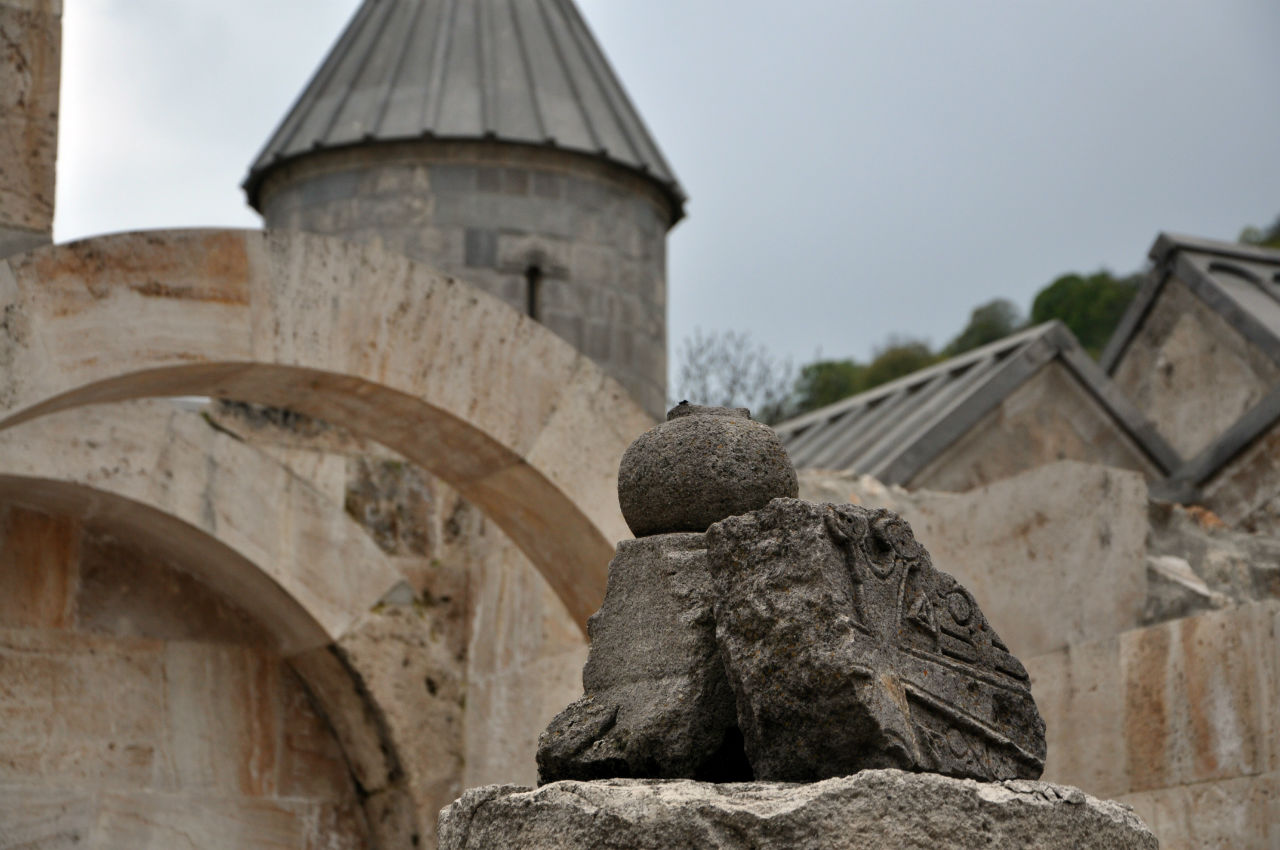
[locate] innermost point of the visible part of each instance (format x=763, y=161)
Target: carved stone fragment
x=847, y=650
x=656, y=701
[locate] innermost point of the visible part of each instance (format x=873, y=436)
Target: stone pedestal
x=875, y=808
x=656, y=702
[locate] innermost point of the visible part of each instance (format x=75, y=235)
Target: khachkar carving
x=746, y=637
x=847, y=650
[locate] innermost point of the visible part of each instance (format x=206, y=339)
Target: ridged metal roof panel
x=524, y=71
x=892, y=431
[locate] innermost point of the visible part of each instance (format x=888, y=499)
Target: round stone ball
x=703, y=464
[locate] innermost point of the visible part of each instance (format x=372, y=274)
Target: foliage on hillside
x=987, y=323
x=826, y=381
x=729, y=369
x=1091, y=306
x=1266, y=237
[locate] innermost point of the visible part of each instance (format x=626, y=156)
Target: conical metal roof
x=524, y=71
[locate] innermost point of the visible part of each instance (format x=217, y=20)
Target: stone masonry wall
x=30, y=53
x=1070, y=532
x=1181, y=720
x=1190, y=372
x=477, y=654
x=141, y=710
x=490, y=214
x=1244, y=491
x=1049, y=418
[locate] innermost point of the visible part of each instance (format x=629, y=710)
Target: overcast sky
x=855, y=169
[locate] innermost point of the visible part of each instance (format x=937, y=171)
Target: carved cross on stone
x=847, y=650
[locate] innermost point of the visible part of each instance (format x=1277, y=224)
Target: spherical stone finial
x=703, y=464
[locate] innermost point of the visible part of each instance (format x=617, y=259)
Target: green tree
x=897, y=357
x=1090, y=306
x=825, y=382
x=987, y=323
x=1265, y=237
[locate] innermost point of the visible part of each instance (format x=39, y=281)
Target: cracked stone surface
x=656, y=700
x=846, y=650
x=875, y=808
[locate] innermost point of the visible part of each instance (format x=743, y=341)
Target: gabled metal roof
x=523, y=71
x=1240, y=282
x=894, y=430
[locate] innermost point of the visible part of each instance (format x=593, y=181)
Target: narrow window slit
x=533, y=282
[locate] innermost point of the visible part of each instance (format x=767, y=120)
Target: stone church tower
x=490, y=139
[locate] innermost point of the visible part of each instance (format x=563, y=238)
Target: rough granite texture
x=875, y=808
x=703, y=464
x=847, y=650
x=656, y=701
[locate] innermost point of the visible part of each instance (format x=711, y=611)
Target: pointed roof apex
x=895, y=430
x=522, y=71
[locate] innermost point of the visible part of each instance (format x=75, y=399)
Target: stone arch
x=458, y=382
x=240, y=523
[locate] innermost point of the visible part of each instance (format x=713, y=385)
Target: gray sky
x=856, y=169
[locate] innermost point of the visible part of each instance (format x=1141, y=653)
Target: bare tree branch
x=730, y=370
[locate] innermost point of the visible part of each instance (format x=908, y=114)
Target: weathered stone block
x=129, y=591
x=847, y=650
x=1071, y=532
x=37, y=561
x=507, y=713
x=30, y=59
x=703, y=464
x=311, y=763
x=29, y=63
x=223, y=720
x=1235, y=814
x=393, y=501
x=1197, y=694
x=80, y=709
x=657, y=703
x=876, y=808
x=524, y=661
x=1081, y=696
x=29, y=151
x=416, y=679
x=1226, y=565
x=452, y=178
x=19, y=241
x=44, y=818
x=162, y=820
x=369, y=760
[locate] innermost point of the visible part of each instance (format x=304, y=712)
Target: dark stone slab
x=656, y=701
x=847, y=650
x=703, y=464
